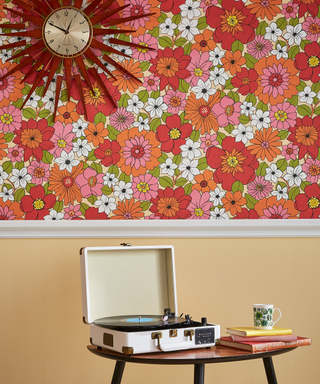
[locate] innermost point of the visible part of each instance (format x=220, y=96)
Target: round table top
x=217, y=354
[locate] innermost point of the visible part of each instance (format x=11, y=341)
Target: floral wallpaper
x=224, y=123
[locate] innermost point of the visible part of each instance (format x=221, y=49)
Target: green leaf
x=283, y=134
x=301, y=86
x=220, y=137
x=228, y=84
x=262, y=106
x=261, y=171
x=237, y=46
x=7, y=166
x=18, y=103
x=50, y=120
x=282, y=23
x=202, y=164
x=244, y=119
x=282, y=164
x=304, y=184
x=176, y=19
x=26, y=89
x=92, y=199
x=294, y=100
x=100, y=118
x=180, y=42
x=162, y=159
x=114, y=170
x=181, y=182
x=294, y=22
x=124, y=37
x=155, y=94
x=155, y=172
x=304, y=43
x=123, y=102
x=113, y=133
x=202, y=23
x=251, y=202
x=155, y=32
x=19, y=165
x=162, y=17
x=83, y=208
x=29, y=113
x=251, y=99
x=47, y=157
x=304, y=110
x=317, y=111
x=183, y=86
x=315, y=87
x=293, y=51
x=19, y=194
x=97, y=167
x=155, y=124
x=229, y=128
x=64, y=96
x=44, y=113
x=144, y=66
x=165, y=115
x=237, y=186
x=106, y=190
x=143, y=96
x=29, y=186
x=165, y=182
x=145, y=205
x=293, y=193
x=250, y=60
x=188, y=189
x=177, y=159
x=8, y=137
x=165, y=41
x=261, y=30
x=124, y=177
x=195, y=136
x=187, y=49
x=234, y=96
x=294, y=163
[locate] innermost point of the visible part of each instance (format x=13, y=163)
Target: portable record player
x=130, y=302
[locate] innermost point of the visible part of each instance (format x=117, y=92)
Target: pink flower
x=145, y=187
x=259, y=47
x=136, y=7
x=7, y=86
x=39, y=172
x=121, y=119
x=290, y=151
x=200, y=205
x=137, y=152
x=14, y=18
x=283, y=116
x=5, y=214
x=62, y=139
x=208, y=141
x=90, y=183
x=199, y=67
x=71, y=212
x=290, y=10
x=207, y=3
x=280, y=80
x=312, y=27
x=143, y=54
x=151, y=83
x=152, y=217
x=10, y=118
x=15, y=153
x=227, y=111
x=312, y=168
x=277, y=212
x=175, y=100
x=259, y=188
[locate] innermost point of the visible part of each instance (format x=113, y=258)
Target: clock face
x=67, y=32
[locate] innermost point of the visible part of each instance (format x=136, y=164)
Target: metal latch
x=189, y=332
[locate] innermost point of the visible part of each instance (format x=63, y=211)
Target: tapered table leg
x=268, y=366
x=199, y=374
x=118, y=372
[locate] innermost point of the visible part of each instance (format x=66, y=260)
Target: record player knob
x=203, y=321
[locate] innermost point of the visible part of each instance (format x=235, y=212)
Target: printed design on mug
x=263, y=317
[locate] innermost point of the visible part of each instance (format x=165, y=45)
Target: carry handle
x=278, y=317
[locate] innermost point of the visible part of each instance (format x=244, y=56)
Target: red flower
x=170, y=66
x=171, y=6
x=37, y=205
x=233, y=21
x=246, y=81
x=305, y=134
x=108, y=152
x=25, y=70
x=94, y=214
x=308, y=62
x=173, y=134
x=171, y=204
x=308, y=6
x=34, y=137
x=308, y=203
x=246, y=214
x=232, y=163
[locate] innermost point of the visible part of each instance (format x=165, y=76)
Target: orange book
x=256, y=346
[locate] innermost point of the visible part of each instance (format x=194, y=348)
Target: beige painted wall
x=43, y=339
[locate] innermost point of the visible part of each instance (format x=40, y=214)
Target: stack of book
x=260, y=340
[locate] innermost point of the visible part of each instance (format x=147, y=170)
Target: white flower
x=273, y=173
x=294, y=34
x=109, y=67
x=218, y=76
x=247, y=108
x=261, y=119
x=168, y=27
x=106, y=204
x=142, y=124
x=5, y=55
x=190, y=9
x=216, y=196
x=33, y=100
x=15, y=39
x=218, y=214
x=134, y=104
x=203, y=90
x=306, y=96
x=280, y=52
x=7, y=194
x=189, y=169
x=3, y=175
x=190, y=149
x=272, y=32
x=188, y=28
x=123, y=190
x=280, y=193
x=122, y=49
x=156, y=106
x=295, y=175
x=168, y=167
x=67, y=161
x=49, y=100
x=110, y=179
x=216, y=55
x=243, y=133
x=79, y=127
x=20, y=177
x=54, y=215
x=81, y=147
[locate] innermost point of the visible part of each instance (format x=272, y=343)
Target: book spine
x=265, y=347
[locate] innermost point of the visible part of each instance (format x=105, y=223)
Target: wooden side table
x=197, y=357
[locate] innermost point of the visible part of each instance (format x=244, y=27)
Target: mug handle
x=278, y=317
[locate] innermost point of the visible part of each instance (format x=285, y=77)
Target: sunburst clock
x=65, y=37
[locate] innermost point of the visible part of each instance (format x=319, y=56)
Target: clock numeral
x=76, y=48
x=58, y=47
x=85, y=31
x=51, y=41
x=48, y=32
x=82, y=22
x=67, y=50
x=83, y=41
x=57, y=16
x=66, y=13
x=75, y=15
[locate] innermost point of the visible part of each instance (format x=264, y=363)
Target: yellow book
x=251, y=331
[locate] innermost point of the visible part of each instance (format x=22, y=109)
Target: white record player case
x=135, y=281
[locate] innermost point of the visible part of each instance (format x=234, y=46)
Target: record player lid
x=119, y=281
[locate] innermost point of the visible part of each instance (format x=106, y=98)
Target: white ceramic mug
x=263, y=316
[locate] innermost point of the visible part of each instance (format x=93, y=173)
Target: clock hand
x=67, y=31
x=61, y=29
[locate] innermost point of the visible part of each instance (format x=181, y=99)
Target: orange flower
x=14, y=208
x=67, y=113
x=95, y=133
x=11, y=86
x=233, y=202
x=286, y=207
x=199, y=112
x=265, y=143
x=128, y=210
x=205, y=42
x=63, y=185
x=233, y=61
x=125, y=82
x=263, y=8
x=205, y=182
x=3, y=146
